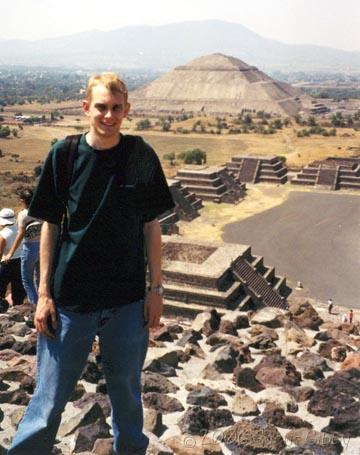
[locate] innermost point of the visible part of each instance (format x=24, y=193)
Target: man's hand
x=153, y=309
x=45, y=316
x=6, y=257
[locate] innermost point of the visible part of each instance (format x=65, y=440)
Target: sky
x=333, y=23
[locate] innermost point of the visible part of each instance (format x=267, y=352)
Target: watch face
x=159, y=290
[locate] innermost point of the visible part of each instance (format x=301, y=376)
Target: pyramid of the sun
x=216, y=83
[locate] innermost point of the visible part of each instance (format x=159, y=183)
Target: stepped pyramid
x=216, y=84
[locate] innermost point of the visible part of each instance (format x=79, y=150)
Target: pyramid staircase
x=257, y=285
x=219, y=281
x=211, y=184
x=333, y=173
x=258, y=169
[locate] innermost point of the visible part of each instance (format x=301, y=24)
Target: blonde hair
x=111, y=81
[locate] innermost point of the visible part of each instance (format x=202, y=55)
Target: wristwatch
x=158, y=289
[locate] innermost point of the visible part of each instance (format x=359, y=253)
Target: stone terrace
x=187, y=207
x=213, y=274
x=212, y=184
x=332, y=173
x=255, y=169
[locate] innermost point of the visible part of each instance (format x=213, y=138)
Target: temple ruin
x=333, y=174
x=258, y=168
x=223, y=275
x=213, y=183
x=187, y=206
x=217, y=84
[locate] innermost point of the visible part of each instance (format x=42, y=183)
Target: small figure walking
x=330, y=305
x=351, y=316
x=344, y=318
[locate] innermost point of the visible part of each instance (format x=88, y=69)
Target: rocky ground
x=269, y=382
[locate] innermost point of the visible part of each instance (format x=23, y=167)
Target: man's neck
x=102, y=143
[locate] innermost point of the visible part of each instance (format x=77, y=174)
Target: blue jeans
x=30, y=269
x=123, y=342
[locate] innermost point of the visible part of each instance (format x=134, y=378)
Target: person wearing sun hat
x=10, y=271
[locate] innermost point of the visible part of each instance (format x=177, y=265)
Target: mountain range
x=163, y=47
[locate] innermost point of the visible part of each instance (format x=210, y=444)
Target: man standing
x=92, y=281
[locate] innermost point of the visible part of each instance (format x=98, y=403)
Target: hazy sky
x=334, y=23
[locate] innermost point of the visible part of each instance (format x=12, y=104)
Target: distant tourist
x=29, y=229
x=99, y=195
x=10, y=271
x=351, y=316
x=344, y=318
x=330, y=305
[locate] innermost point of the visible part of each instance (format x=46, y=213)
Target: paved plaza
x=313, y=237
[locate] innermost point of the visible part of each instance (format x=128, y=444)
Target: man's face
x=106, y=111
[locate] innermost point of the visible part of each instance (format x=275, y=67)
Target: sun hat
x=7, y=216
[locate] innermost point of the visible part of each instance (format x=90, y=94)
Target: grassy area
x=33, y=142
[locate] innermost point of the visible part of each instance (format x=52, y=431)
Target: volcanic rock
x=90, y=413
x=276, y=416
x=302, y=436
x=304, y=315
x=275, y=369
x=346, y=422
x=153, y=421
x=86, y=436
x=7, y=342
x=338, y=353
x=326, y=402
x=27, y=347
x=204, y=396
x=189, y=336
x=346, y=382
x=310, y=360
x=352, y=361
x=14, y=397
x=227, y=327
x=198, y=421
x=92, y=372
x=244, y=405
x=268, y=316
x=162, y=403
x=193, y=445
x=91, y=397
x=162, y=368
x=246, y=378
x=300, y=393
x=154, y=382
x=262, y=437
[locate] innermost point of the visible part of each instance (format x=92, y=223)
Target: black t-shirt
x=100, y=262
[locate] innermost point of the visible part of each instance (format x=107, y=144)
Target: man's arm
x=16, y=244
x=45, y=309
x=2, y=246
x=153, y=301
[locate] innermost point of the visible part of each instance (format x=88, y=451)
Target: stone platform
x=332, y=173
x=215, y=274
x=257, y=169
x=213, y=183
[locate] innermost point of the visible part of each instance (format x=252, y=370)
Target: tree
x=4, y=131
x=337, y=119
x=166, y=126
x=277, y=124
x=170, y=157
x=312, y=121
x=195, y=156
x=143, y=124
